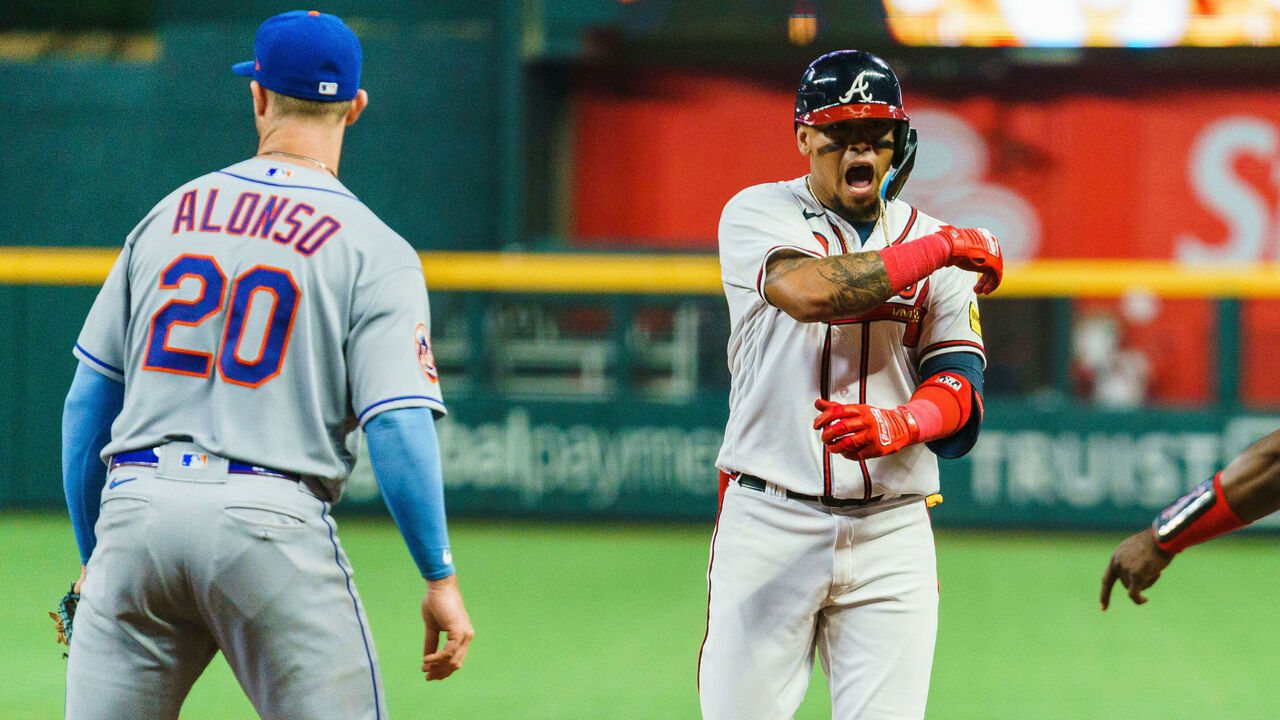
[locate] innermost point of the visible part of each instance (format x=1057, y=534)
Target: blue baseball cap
x=305, y=54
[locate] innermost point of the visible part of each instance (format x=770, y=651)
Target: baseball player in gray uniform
x=856, y=356
x=255, y=318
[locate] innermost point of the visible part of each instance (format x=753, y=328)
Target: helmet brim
x=857, y=111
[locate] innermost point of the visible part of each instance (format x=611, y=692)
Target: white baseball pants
x=787, y=577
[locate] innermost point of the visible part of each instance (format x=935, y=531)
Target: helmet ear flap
x=904, y=159
x=902, y=135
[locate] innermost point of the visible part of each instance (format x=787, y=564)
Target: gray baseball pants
x=191, y=560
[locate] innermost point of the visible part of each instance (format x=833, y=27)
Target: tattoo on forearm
x=851, y=284
x=782, y=266
x=857, y=282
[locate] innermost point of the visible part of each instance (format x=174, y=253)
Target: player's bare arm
x=1137, y=564
x=1251, y=483
x=443, y=611
x=1246, y=490
x=824, y=289
x=813, y=289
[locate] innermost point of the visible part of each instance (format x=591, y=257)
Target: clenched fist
x=976, y=250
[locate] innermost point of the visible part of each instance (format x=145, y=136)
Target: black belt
x=755, y=483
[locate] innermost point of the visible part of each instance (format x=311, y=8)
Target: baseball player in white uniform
x=856, y=356
x=254, y=319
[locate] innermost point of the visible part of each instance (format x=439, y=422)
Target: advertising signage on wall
x=1063, y=468
x=1183, y=174
x=1187, y=174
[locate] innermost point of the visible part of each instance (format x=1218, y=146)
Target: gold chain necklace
x=301, y=157
x=883, y=223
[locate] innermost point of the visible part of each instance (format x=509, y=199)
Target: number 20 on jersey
x=258, y=284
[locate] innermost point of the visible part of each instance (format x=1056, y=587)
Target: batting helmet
x=850, y=85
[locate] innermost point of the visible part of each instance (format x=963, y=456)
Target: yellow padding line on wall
x=662, y=274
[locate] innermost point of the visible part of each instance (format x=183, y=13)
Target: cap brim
x=244, y=68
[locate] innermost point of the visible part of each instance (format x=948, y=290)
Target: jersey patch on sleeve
x=422, y=341
x=973, y=318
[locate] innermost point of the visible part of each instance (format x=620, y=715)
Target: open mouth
x=859, y=177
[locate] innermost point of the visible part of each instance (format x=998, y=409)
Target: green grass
x=605, y=622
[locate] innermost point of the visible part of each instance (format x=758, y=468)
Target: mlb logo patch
x=195, y=460
x=328, y=88
x=281, y=173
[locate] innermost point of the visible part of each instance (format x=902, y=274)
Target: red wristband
x=1198, y=516
x=910, y=262
x=941, y=405
x=927, y=417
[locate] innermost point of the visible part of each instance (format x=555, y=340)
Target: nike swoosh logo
x=120, y=482
x=808, y=215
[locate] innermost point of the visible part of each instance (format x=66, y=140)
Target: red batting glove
x=859, y=432
x=976, y=250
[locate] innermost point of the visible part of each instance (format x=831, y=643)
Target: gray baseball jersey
x=262, y=312
x=780, y=366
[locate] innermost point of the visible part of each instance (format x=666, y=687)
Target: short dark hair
x=288, y=105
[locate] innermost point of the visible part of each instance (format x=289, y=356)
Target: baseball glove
x=65, y=617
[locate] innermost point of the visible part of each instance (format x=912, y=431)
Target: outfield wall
x=1032, y=467
x=614, y=451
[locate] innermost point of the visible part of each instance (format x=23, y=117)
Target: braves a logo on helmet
x=860, y=86
x=422, y=341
